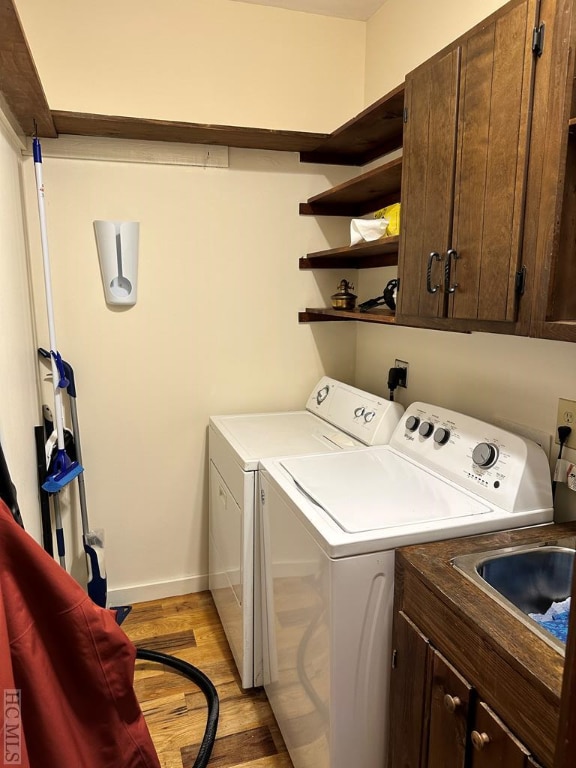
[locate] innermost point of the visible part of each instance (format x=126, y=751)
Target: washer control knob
x=359, y=411
x=485, y=455
x=441, y=436
x=322, y=394
x=426, y=429
x=412, y=423
x=368, y=416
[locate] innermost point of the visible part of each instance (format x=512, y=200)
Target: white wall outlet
x=402, y=364
x=566, y=418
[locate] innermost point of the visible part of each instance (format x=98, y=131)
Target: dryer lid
x=377, y=489
x=256, y=436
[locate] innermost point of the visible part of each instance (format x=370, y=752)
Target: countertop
x=480, y=625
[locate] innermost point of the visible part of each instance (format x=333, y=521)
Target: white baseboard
x=141, y=593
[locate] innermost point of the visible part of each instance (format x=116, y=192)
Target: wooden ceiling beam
x=22, y=90
x=19, y=81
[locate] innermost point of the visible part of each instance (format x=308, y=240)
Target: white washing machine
x=337, y=418
x=329, y=527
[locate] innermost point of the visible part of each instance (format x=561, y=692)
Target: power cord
x=564, y=433
x=395, y=377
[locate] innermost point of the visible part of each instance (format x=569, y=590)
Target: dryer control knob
x=322, y=394
x=369, y=415
x=441, y=436
x=412, y=423
x=359, y=411
x=485, y=455
x=426, y=429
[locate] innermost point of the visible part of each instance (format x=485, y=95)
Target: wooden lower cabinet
x=493, y=744
x=437, y=718
x=451, y=698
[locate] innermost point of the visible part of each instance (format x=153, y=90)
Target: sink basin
x=524, y=580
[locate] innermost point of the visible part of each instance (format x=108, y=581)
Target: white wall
x=487, y=375
x=214, y=331
x=18, y=377
x=405, y=33
x=201, y=61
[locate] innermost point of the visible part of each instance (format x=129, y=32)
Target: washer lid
x=373, y=489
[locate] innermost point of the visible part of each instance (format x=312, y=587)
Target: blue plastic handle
x=68, y=372
x=37, y=150
x=70, y=376
x=63, y=383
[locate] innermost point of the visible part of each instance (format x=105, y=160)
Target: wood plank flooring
x=175, y=709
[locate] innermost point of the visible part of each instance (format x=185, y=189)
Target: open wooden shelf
x=326, y=313
x=80, y=124
x=378, y=253
x=363, y=194
x=559, y=330
x=371, y=134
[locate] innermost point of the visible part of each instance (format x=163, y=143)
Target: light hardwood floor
x=175, y=709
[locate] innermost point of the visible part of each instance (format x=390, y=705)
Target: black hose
x=207, y=688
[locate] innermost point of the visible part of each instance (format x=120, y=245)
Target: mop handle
x=58, y=411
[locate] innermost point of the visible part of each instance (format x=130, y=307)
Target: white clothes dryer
x=338, y=418
x=329, y=527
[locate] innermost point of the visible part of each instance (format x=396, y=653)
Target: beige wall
x=487, y=375
x=202, y=61
x=214, y=331
x=404, y=33
x=215, y=326
x=18, y=388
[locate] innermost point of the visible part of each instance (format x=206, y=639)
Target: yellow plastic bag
x=392, y=213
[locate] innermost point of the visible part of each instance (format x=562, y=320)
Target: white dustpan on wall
x=117, y=243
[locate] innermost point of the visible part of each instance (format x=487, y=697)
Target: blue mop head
x=63, y=473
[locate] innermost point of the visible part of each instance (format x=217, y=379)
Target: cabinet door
x=493, y=744
x=495, y=99
x=450, y=708
x=464, y=173
x=431, y=97
x=408, y=695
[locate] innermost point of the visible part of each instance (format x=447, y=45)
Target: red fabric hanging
x=70, y=661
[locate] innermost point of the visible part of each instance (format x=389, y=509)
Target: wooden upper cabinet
x=554, y=310
x=464, y=174
x=431, y=95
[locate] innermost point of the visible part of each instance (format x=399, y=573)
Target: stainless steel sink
x=525, y=579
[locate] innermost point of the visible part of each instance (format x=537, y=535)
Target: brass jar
x=344, y=298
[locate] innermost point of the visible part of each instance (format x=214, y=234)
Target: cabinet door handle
x=479, y=740
x=450, y=254
x=429, y=287
x=452, y=702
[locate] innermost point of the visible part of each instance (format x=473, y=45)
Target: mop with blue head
x=63, y=469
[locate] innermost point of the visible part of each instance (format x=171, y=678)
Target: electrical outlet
x=566, y=418
x=404, y=380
